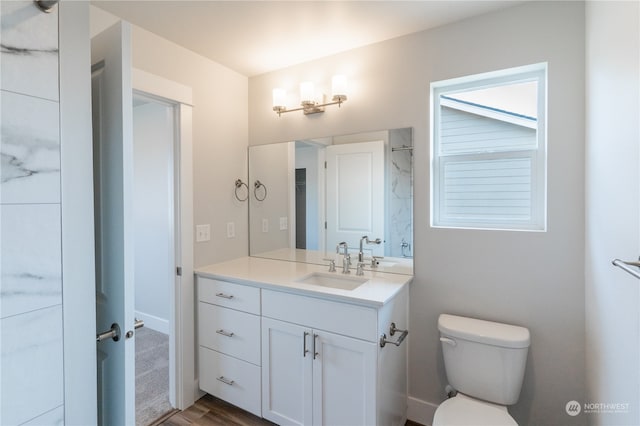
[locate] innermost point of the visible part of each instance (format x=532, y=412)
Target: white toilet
x=485, y=364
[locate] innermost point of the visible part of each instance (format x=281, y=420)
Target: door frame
x=78, y=256
x=182, y=338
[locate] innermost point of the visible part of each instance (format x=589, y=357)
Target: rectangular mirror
x=306, y=196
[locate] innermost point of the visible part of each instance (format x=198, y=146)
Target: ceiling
x=255, y=37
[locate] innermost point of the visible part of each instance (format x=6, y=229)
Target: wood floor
x=211, y=411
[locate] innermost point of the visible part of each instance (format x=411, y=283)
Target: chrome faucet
x=368, y=241
x=346, y=260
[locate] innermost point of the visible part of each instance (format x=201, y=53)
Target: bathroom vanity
x=296, y=344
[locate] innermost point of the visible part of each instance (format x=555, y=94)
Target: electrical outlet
x=283, y=223
x=265, y=225
x=231, y=230
x=203, y=233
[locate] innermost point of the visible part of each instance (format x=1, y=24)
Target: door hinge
x=179, y=271
x=325, y=164
x=325, y=224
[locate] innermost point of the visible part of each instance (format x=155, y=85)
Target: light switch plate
x=231, y=229
x=203, y=233
x=265, y=225
x=283, y=223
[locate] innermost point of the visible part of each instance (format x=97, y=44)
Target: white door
x=344, y=381
x=287, y=355
x=113, y=171
x=355, y=195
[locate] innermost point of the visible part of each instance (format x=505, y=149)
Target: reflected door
x=355, y=194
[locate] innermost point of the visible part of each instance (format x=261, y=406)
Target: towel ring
x=257, y=185
x=239, y=184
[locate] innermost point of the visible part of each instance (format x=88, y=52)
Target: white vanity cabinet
x=229, y=342
x=322, y=363
x=296, y=355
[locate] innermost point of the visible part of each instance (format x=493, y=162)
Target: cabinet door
x=344, y=381
x=286, y=373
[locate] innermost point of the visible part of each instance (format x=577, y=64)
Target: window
x=488, y=151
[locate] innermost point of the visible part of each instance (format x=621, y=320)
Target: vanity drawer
x=230, y=295
x=231, y=379
x=341, y=318
x=229, y=331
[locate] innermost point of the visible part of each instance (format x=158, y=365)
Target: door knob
x=112, y=333
x=138, y=324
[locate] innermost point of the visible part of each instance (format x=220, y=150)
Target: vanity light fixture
x=308, y=102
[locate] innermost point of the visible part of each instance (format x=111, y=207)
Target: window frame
x=538, y=154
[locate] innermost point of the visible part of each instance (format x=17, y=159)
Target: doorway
x=154, y=234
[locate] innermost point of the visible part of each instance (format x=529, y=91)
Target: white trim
x=78, y=262
x=159, y=86
x=420, y=411
x=153, y=322
x=185, y=293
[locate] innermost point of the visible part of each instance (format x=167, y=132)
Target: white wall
x=613, y=207
x=153, y=137
x=273, y=167
x=525, y=278
x=219, y=135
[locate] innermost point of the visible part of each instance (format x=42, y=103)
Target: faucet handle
x=332, y=264
x=375, y=261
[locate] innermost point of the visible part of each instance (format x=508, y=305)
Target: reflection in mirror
x=316, y=193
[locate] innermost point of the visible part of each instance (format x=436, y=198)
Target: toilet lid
x=463, y=410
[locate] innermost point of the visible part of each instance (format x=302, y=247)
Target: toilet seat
x=463, y=410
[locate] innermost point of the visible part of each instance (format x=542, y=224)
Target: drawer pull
x=225, y=380
x=315, y=353
x=225, y=296
x=224, y=333
x=305, y=351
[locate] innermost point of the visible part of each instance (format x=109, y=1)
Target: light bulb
x=339, y=88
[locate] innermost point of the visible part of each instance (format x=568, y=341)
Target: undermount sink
x=333, y=280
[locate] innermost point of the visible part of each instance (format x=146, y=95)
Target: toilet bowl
x=485, y=363
x=463, y=410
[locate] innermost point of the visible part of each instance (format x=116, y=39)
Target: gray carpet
x=152, y=376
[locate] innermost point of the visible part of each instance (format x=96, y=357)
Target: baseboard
x=153, y=322
x=420, y=411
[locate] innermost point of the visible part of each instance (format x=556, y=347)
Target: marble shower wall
x=31, y=368
x=401, y=199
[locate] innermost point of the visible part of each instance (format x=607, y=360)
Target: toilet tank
x=484, y=359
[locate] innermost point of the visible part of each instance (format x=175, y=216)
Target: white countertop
x=283, y=275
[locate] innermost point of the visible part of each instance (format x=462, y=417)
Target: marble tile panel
x=29, y=149
x=401, y=176
x=401, y=137
x=28, y=49
x=30, y=365
x=54, y=417
x=30, y=257
x=401, y=227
